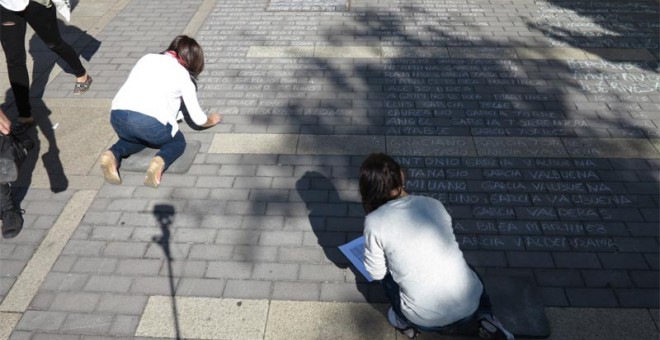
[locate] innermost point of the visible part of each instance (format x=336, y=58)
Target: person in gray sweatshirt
x=411, y=249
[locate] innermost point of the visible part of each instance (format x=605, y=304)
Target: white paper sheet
x=354, y=251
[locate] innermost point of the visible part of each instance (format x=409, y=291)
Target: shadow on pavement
x=332, y=230
x=164, y=214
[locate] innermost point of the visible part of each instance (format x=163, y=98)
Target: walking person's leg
x=44, y=22
x=12, y=219
x=12, y=37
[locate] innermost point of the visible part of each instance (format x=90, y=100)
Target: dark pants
x=137, y=131
x=43, y=21
x=465, y=326
x=6, y=201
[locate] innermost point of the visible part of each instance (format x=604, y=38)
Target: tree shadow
x=315, y=189
x=164, y=214
x=599, y=25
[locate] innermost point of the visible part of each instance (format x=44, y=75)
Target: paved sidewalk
x=535, y=122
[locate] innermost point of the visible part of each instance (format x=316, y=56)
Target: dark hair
x=190, y=54
x=379, y=176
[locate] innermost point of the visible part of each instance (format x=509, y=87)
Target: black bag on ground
x=13, y=150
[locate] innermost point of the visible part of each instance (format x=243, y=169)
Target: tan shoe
x=109, y=167
x=154, y=172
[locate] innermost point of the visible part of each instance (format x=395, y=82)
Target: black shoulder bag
x=13, y=150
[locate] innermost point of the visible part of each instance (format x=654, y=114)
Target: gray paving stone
x=124, y=325
x=576, y=260
x=251, y=222
x=636, y=245
x=110, y=284
x=280, y=238
x=553, y=297
x=125, y=249
x=592, y=297
x=103, y=218
x=129, y=204
x=41, y=321
x=138, y=267
x=122, y=304
x=210, y=252
x=622, y=261
x=200, y=287
x=254, y=253
x=180, y=268
x=221, y=222
x=230, y=270
x=229, y=194
x=646, y=279
x=245, y=208
x=87, y=324
x=213, y=182
x=559, y=278
x=341, y=292
x=154, y=285
x=96, y=265
x=321, y=272
x=300, y=254
x=269, y=195
x=196, y=235
x=74, y=302
x=275, y=271
x=111, y=233
x=530, y=259
x=645, y=298
x=296, y=291
x=64, y=282
x=247, y=289
x=237, y=237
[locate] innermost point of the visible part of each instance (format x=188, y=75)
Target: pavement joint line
x=28, y=282
x=462, y=146
x=199, y=17
x=386, y=52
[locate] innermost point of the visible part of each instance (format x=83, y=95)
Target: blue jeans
x=465, y=326
x=137, y=131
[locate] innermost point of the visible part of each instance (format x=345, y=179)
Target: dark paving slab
x=518, y=304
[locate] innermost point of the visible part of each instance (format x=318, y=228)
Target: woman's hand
x=212, y=119
x=5, y=124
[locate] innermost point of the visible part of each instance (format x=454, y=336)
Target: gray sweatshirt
x=412, y=238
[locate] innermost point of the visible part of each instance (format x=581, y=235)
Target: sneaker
x=401, y=325
x=109, y=166
x=12, y=222
x=491, y=328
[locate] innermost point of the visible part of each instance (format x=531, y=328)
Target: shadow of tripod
x=165, y=216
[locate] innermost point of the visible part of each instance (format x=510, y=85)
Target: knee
x=56, y=45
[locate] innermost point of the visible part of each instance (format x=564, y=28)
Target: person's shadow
x=86, y=46
x=329, y=238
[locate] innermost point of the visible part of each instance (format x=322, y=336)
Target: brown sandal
x=82, y=86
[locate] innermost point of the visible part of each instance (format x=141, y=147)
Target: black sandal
x=82, y=86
